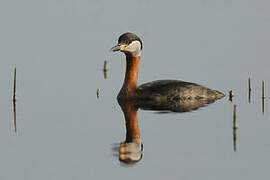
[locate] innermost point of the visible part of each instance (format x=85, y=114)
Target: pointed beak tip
x=115, y=48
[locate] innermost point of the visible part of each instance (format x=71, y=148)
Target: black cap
x=128, y=37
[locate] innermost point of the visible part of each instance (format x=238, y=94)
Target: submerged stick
x=14, y=101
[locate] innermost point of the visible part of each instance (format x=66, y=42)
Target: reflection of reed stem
x=235, y=127
x=234, y=139
x=263, y=97
x=263, y=105
x=14, y=116
x=249, y=90
x=249, y=96
x=14, y=101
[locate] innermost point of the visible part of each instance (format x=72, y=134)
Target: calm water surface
x=65, y=132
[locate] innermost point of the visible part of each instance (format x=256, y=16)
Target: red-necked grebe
x=160, y=91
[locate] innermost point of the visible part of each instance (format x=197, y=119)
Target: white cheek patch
x=134, y=48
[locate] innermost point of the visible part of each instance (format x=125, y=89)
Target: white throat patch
x=133, y=49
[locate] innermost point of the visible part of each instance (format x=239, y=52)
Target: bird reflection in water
x=159, y=95
x=130, y=151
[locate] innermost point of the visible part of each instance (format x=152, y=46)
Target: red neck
x=132, y=127
x=130, y=83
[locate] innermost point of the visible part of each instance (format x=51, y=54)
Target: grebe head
x=130, y=44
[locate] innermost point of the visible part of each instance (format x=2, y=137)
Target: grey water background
x=65, y=132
